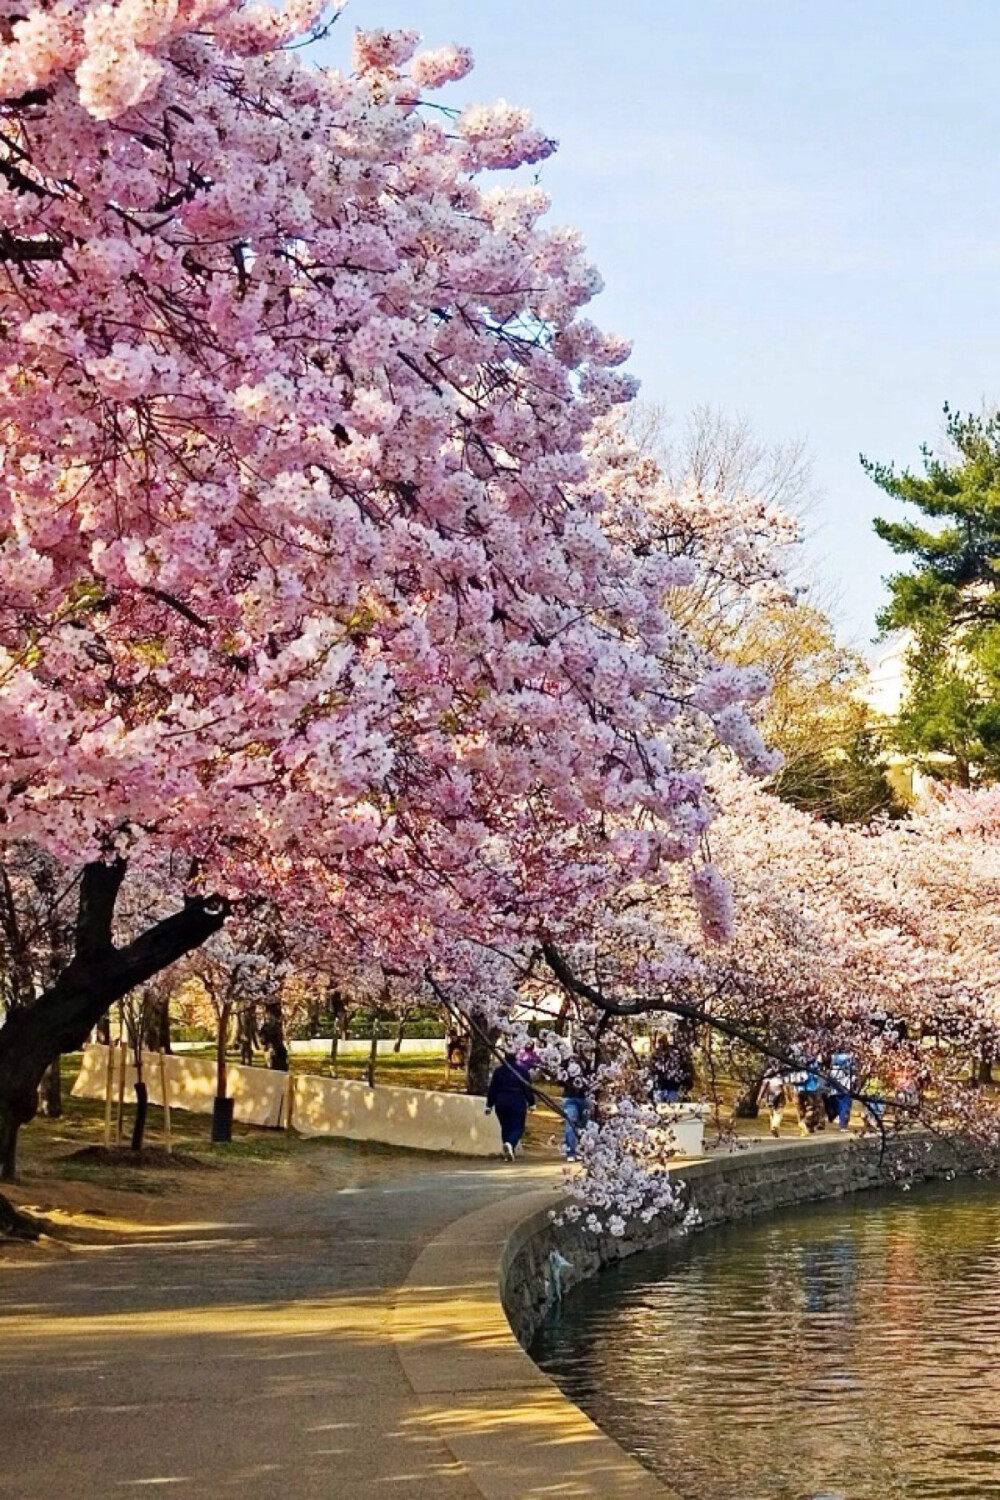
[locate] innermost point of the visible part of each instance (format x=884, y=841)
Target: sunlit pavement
x=251, y=1358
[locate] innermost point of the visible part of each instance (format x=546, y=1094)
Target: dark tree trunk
x=8, y=1149
x=50, y=1093
x=141, y=1110
x=480, y=1063
x=15, y=1225
x=157, y=1027
x=373, y=1052
x=246, y=1033
x=397, y=1045
x=221, y=1043
x=272, y=1036
x=33, y=1038
x=747, y=1106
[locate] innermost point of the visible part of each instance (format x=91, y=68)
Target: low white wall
x=415, y=1118
x=396, y=1116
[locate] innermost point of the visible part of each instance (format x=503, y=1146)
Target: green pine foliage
x=949, y=599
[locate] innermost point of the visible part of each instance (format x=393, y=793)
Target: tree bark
x=480, y=1063
x=373, y=1051
x=272, y=1036
x=59, y=1021
x=221, y=1043
x=141, y=1110
x=246, y=1031
x=397, y=1045
x=50, y=1093
x=157, y=1027
x=15, y=1225
x=8, y=1150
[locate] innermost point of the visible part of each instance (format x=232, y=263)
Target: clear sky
x=793, y=204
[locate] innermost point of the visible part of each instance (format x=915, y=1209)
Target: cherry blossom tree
x=877, y=941
x=308, y=580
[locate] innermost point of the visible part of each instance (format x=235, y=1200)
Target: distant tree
x=949, y=599
x=732, y=502
x=816, y=715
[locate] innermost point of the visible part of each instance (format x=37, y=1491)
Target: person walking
x=809, y=1099
x=668, y=1071
x=774, y=1096
x=511, y=1095
x=842, y=1077
x=574, y=1111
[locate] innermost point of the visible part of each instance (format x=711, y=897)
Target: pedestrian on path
x=511, y=1095
x=809, y=1099
x=838, y=1099
x=670, y=1071
x=574, y=1109
x=774, y=1096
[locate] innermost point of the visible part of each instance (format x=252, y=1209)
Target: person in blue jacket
x=511, y=1095
x=574, y=1113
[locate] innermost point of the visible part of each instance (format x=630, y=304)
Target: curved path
x=254, y=1356
x=339, y=1334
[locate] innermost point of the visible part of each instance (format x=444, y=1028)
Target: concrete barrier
x=684, y=1127
x=418, y=1119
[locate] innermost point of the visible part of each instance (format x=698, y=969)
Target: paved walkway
x=255, y=1358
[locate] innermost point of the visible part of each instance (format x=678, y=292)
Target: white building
x=885, y=689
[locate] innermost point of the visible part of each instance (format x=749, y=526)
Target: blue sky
x=793, y=204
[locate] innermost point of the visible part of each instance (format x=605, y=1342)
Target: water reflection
x=844, y=1352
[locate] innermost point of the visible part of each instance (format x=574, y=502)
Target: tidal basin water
x=847, y=1351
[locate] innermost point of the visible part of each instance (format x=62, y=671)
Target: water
x=849, y=1351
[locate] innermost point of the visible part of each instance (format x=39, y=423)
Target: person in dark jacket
x=511, y=1095
x=574, y=1111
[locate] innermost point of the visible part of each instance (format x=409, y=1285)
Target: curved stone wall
x=721, y=1189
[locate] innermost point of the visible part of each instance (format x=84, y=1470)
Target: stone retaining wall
x=722, y=1189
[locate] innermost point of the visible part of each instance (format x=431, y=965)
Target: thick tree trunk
x=15, y=1225
x=221, y=1043
x=8, y=1148
x=246, y=1034
x=157, y=1027
x=480, y=1063
x=141, y=1110
x=50, y=1093
x=59, y=1021
x=272, y=1036
x=747, y=1106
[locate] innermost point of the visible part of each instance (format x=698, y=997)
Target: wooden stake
x=373, y=1054
x=289, y=1099
x=165, y=1096
x=109, y=1091
x=119, y=1129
